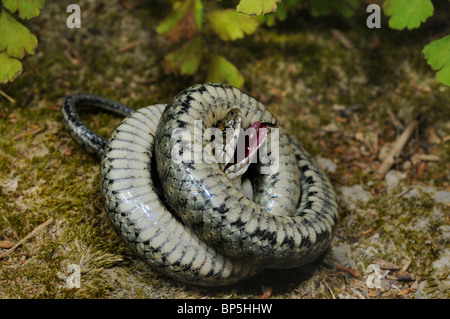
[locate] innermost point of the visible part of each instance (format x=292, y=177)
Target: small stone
x=421, y=224
x=330, y=128
x=392, y=179
x=406, y=165
x=10, y=185
x=445, y=231
x=385, y=284
x=420, y=293
x=354, y=194
x=442, y=197
x=326, y=164
x=341, y=255
x=442, y=265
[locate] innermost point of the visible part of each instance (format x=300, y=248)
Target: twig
x=405, y=192
x=385, y=265
x=331, y=291
x=396, y=150
x=31, y=132
x=10, y=99
x=32, y=234
x=425, y=158
x=352, y=272
x=400, y=277
x=398, y=125
x=404, y=267
x=342, y=39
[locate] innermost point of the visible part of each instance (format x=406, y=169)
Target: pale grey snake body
x=198, y=227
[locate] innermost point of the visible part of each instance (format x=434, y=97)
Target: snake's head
x=238, y=147
x=249, y=142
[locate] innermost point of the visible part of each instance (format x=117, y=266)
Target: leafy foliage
x=257, y=7
x=230, y=25
x=408, y=13
x=188, y=17
x=15, y=39
x=189, y=23
x=186, y=23
x=185, y=59
x=27, y=9
x=438, y=55
x=10, y=69
x=221, y=70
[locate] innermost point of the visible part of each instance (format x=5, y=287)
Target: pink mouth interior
x=252, y=142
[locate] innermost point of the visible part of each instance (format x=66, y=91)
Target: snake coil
x=188, y=220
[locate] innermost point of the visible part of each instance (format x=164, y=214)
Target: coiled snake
x=198, y=227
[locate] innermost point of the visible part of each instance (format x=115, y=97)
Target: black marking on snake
x=288, y=240
x=309, y=205
x=320, y=236
x=221, y=209
x=264, y=234
x=304, y=168
x=185, y=105
x=227, y=198
x=200, y=89
x=182, y=124
x=309, y=180
x=238, y=223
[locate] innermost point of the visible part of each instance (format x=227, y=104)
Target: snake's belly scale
x=242, y=236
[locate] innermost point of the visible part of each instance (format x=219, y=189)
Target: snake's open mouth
x=249, y=144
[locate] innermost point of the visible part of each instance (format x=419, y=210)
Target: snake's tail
x=91, y=141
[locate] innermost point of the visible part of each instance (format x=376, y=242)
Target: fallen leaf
x=383, y=264
x=5, y=244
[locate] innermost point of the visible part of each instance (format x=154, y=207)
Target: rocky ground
x=345, y=92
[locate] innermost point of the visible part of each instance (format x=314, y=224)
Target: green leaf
x=185, y=59
x=10, y=69
x=221, y=70
x=231, y=25
x=27, y=8
x=437, y=54
x=185, y=20
x=407, y=13
x=327, y=7
x=280, y=14
x=257, y=7
x=15, y=39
